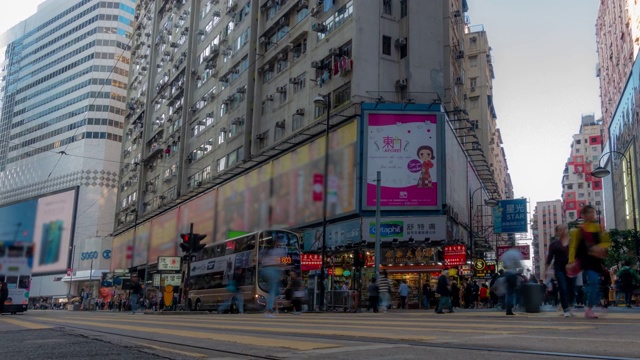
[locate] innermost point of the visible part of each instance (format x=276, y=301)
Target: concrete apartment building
x=546, y=215
x=64, y=87
x=579, y=188
x=618, y=41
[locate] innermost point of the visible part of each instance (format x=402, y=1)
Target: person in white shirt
x=403, y=292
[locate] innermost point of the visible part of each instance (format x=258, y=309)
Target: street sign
x=169, y=263
x=510, y=216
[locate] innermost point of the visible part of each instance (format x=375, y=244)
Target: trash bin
x=532, y=296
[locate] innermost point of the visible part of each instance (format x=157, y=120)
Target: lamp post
x=489, y=202
x=601, y=172
x=325, y=102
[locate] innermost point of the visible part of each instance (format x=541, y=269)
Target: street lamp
x=601, y=172
x=490, y=203
x=324, y=101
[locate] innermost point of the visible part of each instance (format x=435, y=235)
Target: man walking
x=136, y=291
x=445, y=293
x=403, y=292
x=512, y=260
x=628, y=279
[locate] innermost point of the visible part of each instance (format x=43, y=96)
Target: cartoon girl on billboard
x=425, y=154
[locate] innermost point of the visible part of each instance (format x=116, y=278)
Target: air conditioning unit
x=460, y=54
x=300, y=111
x=280, y=124
x=216, y=13
x=267, y=67
x=459, y=80
x=318, y=27
x=303, y=4
x=241, y=90
x=293, y=80
x=173, y=44
x=260, y=136
x=473, y=88
x=316, y=64
x=315, y=11
x=402, y=83
x=269, y=98
x=334, y=51
x=201, y=32
x=193, y=108
x=282, y=56
x=281, y=89
x=263, y=39
x=400, y=42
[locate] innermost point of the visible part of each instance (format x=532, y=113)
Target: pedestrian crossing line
x=332, y=330
x=164, y=348
x=26, y=324
x=405, y=324
x=240, y=339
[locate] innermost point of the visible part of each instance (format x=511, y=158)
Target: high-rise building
x=64, y=86
x=618, y=43
x=579, y=187
x=546, y=216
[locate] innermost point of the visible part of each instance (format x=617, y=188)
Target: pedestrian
x=629, y=279
x=442, y=289
x=475, y=294
x=374, y=295
x=455, y=295
x=136, y=291
x=512, y=262
x=384, y=286
x=468, y=295
x=297, y=293
x=4, y=295
x=271, y=271
x=403, y=293
x=484, y=295
x=588, y=247
x=426, y=295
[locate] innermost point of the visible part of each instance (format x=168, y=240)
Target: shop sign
x=455, y=255
x=310, y=262
x=169, y=263
x=370, y=260
x=483, y=269
x=510, y=216
x=525, y=251
x=405, y=228
x=171, y=279
x=465, y=270
x=408, y=255
x=156, y=280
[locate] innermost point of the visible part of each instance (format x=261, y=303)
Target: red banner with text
x=455, y=255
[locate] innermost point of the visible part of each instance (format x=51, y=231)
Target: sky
x=544, y=56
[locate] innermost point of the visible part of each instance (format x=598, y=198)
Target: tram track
x=355, y=339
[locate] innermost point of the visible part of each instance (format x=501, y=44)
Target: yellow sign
x=479, y=264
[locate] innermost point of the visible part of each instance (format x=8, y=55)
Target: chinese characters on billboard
x=455, y=255
x=510, y=216
x=404, y=148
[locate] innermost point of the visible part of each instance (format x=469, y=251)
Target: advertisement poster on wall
x=406, y=148
x=405, y=228
x=510, y=216
x=164, y=235
x=141, y=244
x=48, y=223
x=199, y=211
x=122, y=251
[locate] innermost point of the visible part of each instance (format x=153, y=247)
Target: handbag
x=574, y=269
x=299, y=294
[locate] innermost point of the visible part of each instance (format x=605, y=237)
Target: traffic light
x=358, y=258
x=185, y=242
x=196, y=246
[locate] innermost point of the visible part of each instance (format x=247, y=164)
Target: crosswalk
x=319, y=333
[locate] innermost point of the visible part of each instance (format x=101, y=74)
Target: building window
x=342, y=95
x=474, y=102
x=473, y=82
x=386, y=45
x=386, y=7
x=473, y=61
x=403, y=8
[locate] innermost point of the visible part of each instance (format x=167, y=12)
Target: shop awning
x=84, y=275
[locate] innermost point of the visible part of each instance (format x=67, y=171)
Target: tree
x=622, y=247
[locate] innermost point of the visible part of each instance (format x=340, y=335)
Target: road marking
x=242, y=339
x=26, y=324
x=354, y=348
x=162, y=348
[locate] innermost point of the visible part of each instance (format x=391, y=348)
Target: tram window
x=15, y=251
x=3, y=250
x=2, y=277
x=12, y=282
x=24, y=282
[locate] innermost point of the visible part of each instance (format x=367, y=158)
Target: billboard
x=199, y=211
x=525, y=251
x=510, y=216
x=405, y=228
x=406, y=148
x=164, y=235
x=48, y=223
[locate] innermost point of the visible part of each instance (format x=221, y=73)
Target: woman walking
x=559, y=254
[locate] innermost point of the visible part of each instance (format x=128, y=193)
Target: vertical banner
x=405, y=148
x=510, y=216
x=318, y=187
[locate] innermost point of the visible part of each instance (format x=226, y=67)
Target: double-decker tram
x=16, y=263
x=235, y=263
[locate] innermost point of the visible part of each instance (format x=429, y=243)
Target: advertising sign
x=47, y=223
x=338, y=234
x=455, y=255
x=310, y=262
x=163, y=235
x=483, y=269
x=525, y=250
x=510, y=216
x=404, y=147
x=171, y=279
x=409, y=255
x=405, y=228
x=169, y=263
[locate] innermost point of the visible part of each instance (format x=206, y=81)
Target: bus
x=16, y=262
x=238, y=259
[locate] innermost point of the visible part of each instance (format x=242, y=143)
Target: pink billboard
x=404, y=147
